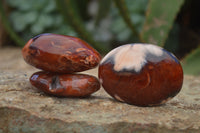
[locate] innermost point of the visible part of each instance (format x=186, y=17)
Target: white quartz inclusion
x=132, y=57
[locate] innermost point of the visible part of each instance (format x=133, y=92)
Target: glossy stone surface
x=24, y=109
x=60, y=53
x=141, y=74
x=67, y=85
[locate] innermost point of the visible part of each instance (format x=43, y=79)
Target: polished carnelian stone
x=60, y=53
x=67, y=85
x=141, y=74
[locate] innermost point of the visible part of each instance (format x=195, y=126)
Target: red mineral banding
x=60, y=53
x=67, y=85
x=141, y=74
x=60, y=57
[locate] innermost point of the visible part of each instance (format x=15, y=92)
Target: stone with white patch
x=141, y=74
x=134, y=56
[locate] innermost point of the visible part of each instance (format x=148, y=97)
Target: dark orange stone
x=60, y=53
x=141, y=74
x=67, y=85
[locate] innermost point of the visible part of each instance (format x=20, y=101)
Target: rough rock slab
x=25, y=109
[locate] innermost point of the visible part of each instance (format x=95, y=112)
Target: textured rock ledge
x=25, y=109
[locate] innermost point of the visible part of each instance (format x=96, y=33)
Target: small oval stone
x=66, y=85
x=60, y=53
x=141, y=74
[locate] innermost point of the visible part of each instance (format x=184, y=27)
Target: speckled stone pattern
x=60, y=53
x=25, y=109
x=141, y=74
x=68, y=85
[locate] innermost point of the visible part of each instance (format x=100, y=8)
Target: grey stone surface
x=26, y=109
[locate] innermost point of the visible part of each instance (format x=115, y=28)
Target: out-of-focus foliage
x=8, y=28
x=100, y=20
x=172, y=42
x=69, y=9
x=32, y=17
x=105, y=24
x=136, y=10
x=159, y=19
x=191, y=64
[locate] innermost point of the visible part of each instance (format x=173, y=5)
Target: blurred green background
x=106, y=24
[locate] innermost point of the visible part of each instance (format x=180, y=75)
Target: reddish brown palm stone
x=68, y=85
x=141, y=74
x=60, y=53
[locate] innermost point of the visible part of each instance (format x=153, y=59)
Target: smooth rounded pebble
x=141, y=74
x=60, y=53
x=66, y=85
